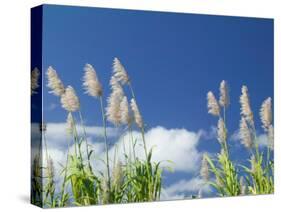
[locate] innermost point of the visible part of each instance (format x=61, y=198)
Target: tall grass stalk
x=226, y=181
x=105, y=141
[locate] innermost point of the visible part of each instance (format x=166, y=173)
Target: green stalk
x=132, y=141
x=105, y=141
x=144, y=145
x=75, y=134
x=65, y=175
x=85, y=138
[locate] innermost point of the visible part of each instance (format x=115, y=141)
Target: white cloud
x=180, y=189
x=176, y=145
x=56, y=135
x=209, y=134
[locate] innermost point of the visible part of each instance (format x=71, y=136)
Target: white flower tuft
x=213, y=106
x=119, y=71
x=136, y=112
x=224, y=94
x=54, y=82
x=90, y=81
x=69, y=100
x=35, y=73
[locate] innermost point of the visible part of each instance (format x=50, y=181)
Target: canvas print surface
x=136, y=106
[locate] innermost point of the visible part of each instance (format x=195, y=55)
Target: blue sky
x=173, y=60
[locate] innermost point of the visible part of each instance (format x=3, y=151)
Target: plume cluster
x=35, y=73
x=271, y=137
x=243, y=187
x=224, y=94
x=222, y=132
x=266, y=119
x=213, y=106
x=137, y=116
x=69, y=100
x=266, y=113
x=124, y=111
x=90, y=81
x=119, y=71
x=245, y=133
x=117, y=174
x=54, y=82
x=113, y=109
x=69, y=124
x=245, y=105
x=204, y=171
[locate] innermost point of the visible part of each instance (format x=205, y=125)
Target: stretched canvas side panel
x=36, y=107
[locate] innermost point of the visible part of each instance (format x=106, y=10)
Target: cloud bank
x=176, y=145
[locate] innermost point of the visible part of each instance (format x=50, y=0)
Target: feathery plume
x=222, y=132
x=253, y=163
x=124, y=110
x=270, y=135
x=245, y=134
x=113, y=109
x=54, y=82
x=69, y=124
x=117, y=174
x=136, y=112
x=266, y=113
x=105, y=190
x=224, y=94
x=242, y=186
x=119, y=72
x=204, y=171
x=50, y=168
x=90, y=81
x=69, y=100
x=115, y=86
x=245, y=105
x=35, y=73
x=213, y=106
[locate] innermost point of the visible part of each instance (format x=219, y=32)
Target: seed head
x=245, y=134
x=113, y=109
x=69, y=100
x=253, y=164
x=54, y=82
x=224, y=94
x=105, y=190
x=270, y=135
x=50, y=168
x=124, y=109
x=204, y=171
x=136, y=112
x=35, y=73
x=119, y=72
x=90, y=81
x=242, y=186
x=69, y=124
x=222, y=132
x=117, y=174
x=245, y=105
x=213, y=106
x=266, y=113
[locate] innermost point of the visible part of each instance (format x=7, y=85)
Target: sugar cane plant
x=227, y=177
x=131, y=179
